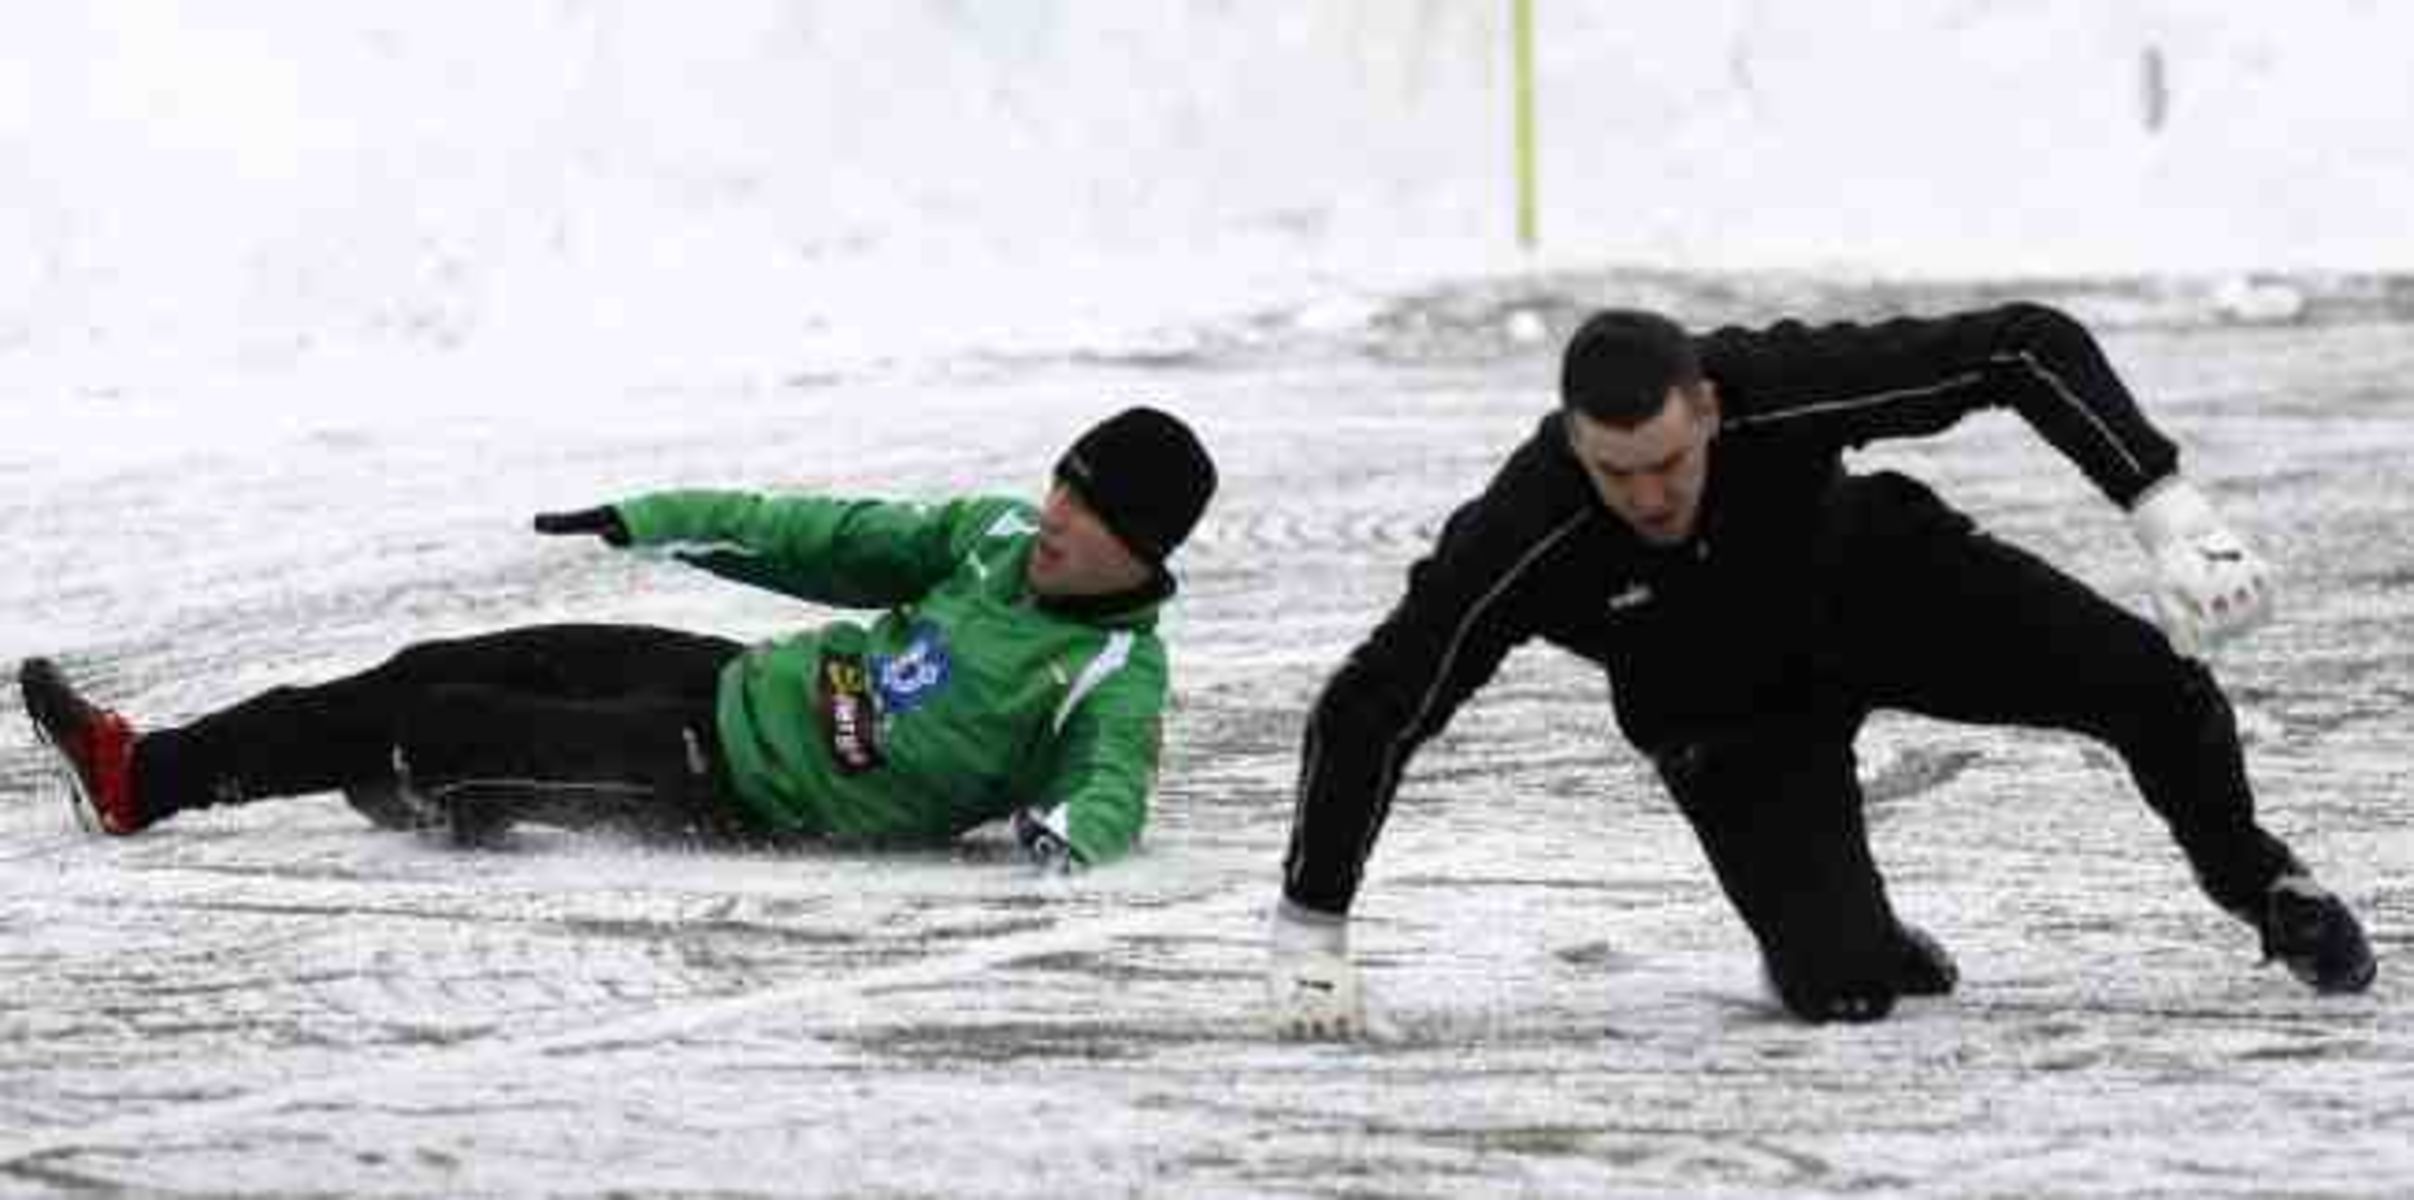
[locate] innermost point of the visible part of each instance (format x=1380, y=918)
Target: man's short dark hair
x=1621, y=364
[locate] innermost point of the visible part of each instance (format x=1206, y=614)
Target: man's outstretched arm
x=852, y=552
x=1848, y=384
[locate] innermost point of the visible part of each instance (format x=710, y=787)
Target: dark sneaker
x=1918, y=966
x=96, y=744
x=388, y=804
x=475, y=816
x=1925, y=969
x=2311, y=933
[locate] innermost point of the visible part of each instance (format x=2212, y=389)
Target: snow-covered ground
x=309, y=306
x=279, y=1000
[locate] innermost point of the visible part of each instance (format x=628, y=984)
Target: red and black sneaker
x=96, y=744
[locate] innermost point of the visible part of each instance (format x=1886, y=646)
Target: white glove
x=2209, y=587
x=1311, y=988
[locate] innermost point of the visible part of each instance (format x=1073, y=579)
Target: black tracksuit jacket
x=1712, y=632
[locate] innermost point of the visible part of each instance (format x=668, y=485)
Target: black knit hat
x=1146, y=475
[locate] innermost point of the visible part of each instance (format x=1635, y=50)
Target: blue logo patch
x=911, y=676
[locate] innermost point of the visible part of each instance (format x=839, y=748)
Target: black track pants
x=582, y=724
x=1924, y=614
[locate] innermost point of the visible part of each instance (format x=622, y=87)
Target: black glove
x=1048, y=849
x=603, y=522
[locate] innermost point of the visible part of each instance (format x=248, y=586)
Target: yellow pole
x=1522, y=22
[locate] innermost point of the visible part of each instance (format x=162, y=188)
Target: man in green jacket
x=1015, y=673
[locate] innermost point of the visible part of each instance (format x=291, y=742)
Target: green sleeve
x=1105, y=762
x=852, y=553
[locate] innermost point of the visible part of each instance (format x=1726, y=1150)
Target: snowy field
x=279, y=1000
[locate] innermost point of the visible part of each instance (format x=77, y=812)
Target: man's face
x=1076, y=554
x=1652, y=476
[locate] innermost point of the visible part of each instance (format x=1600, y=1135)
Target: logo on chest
x=909, y=678
x=1629, y=598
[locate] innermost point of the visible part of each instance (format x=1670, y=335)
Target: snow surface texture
x=315, y=310
x=277, y=999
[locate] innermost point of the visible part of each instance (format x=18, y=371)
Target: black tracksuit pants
x=577, y=725
x=1923, y=613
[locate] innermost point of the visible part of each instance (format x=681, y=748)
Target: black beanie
x=1146, y=475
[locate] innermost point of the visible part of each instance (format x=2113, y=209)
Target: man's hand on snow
x=604, y=522
x=1043, y=839
x=1311, y=988
x=2209, y=587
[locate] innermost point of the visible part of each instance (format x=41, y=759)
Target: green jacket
x=960, y=704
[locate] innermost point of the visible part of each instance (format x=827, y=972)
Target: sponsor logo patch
x=910, y=677
x=850, y=715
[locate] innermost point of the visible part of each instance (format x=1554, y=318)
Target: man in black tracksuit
x=1684, y=520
